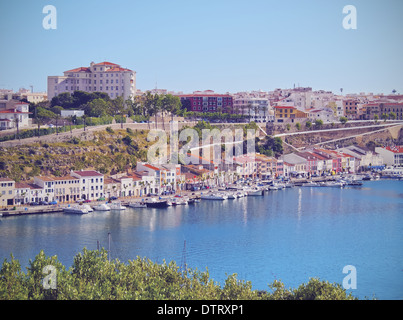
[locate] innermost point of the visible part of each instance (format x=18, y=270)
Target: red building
x=207, y=101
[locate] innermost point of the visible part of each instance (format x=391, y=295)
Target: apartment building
x=207, y=101
x=91, y=184
x=7, y=187
x=392, y=156
x=289, y=114
x=258, y=109
x=106, y=77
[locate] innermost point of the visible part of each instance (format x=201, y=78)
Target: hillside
x=108, y=151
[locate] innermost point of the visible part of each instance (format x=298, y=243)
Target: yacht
x=154, y=203
x=75, y=209
x=137, y=205
x=102, y=207
x=254, y=192
x=212, y=196
x=232, y=195
x=310, y=184
x=334, y=184
x=117, y=206
x=178, y=201
x=88, y=207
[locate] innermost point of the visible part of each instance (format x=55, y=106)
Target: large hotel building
x=103, y=77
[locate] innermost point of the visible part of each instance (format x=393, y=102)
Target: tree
x=376, y=118
x=308, y=124
x=384, y=117
x=298, y=126
x=392, y=116
x=318, y=123
x=63, y=99
x=96, y=108
x=343, y=120
x=42, y=115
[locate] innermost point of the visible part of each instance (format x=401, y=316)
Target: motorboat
x=212, y=196
x=272, y=188
x=156, y=203
x=117, y=206
x=102, y=207
x=177, y=201
x=310, y=184
x=240, y=194
x=88, y=207
x=232, y=195
x=354, y=183
x=78, y=209
x=335, y=184
x=137, y=205
x=254, y=192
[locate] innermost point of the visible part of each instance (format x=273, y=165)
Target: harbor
x=242, y=188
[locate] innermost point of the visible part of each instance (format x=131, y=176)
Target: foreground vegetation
x=92, y=276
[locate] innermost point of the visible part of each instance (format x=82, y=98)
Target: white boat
x=240, y=194
x=333, y=184
x=76, y=209
x=232, y=195
x=137, y=205
x=272, y=188
x=102, y=207
x=117, y=206
x=311, y=184
x=177, y=201
x=254, y=192
x=212, y=196
x=88, y=207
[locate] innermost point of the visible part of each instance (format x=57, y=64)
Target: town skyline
x=225, y=46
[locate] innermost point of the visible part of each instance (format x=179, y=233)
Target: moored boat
x=117, y=206
x=137, y=205
x=154, y=203
x=76, y=209
x=212, y=196
x=102, y=207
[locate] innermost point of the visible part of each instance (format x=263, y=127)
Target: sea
x=350, y=235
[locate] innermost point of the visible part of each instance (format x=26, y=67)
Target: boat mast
x=109, y=246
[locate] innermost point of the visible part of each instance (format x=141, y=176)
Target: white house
x=14, y=115
x=91, y=184
x=392, y=156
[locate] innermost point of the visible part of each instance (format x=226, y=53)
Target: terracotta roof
x=6, y=179
x=117, y=69
x=151, y=167
x=88, y=173
x=80, y=69
x=106, y=63
x=396, y=149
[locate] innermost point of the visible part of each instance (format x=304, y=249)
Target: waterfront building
x=106, y=77
x=66, y=189
x=257, y=108
x=392, y=156
x=297, y=165
x=7, y=192
x=47, y=185
x=364, y=157
x=22, y=193
x=91, y=184
x=207, y=101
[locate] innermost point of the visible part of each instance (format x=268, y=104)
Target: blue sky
x=226, y=46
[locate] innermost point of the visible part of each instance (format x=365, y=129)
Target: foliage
x=343, y=120
x=92, y=276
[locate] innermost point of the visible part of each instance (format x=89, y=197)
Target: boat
x=232, y=195
x=354, y=183
x=137, y=205
x=102, y=207
x=333, y=184
x=178, y=201
x=310, y=184
x=367, y=177
x=117, y=206
x=212, y=196
x=154, y=203
x=88, y=207
x=240, y=194
x=272, y=188
x=75, y=209
x=254, y=192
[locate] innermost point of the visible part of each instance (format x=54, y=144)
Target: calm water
x=290, y=235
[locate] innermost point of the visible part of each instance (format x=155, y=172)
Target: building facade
x=105, y=77
x=207, y=101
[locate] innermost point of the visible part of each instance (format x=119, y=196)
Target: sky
x=220, y=45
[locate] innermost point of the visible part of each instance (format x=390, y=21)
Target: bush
x=92, y=276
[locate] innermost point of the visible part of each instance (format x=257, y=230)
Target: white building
x=257, y=108
x=14, y=113
x=105, y=77
x=91, y=184
x=392, y=156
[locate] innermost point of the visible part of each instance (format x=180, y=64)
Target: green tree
x=308, y=124
x=343, y=120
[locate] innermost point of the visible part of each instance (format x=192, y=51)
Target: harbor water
x=290, y=235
